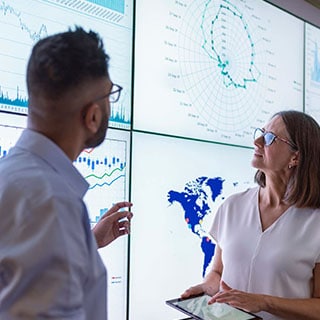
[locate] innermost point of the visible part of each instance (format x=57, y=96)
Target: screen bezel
x=172, y=303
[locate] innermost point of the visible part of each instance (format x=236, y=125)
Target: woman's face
x=276, y=157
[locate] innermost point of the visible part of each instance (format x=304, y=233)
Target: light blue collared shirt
x=49, y=264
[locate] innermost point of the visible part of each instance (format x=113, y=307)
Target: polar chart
x=228, y=55
x=231, y=71
x=219, y=69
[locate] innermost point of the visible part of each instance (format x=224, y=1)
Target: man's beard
x=99, y=136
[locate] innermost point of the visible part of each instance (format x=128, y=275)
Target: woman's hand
x=247, y=301
x=193, y=291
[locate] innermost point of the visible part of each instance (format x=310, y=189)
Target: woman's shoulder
x=245, y=195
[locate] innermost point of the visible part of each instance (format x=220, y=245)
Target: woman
x=267, y=258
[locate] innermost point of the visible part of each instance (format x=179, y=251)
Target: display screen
x=176, y=187
x=198, y=76
x=106, y=169
x=23, y=23
x=221, y=67
x=312, y=69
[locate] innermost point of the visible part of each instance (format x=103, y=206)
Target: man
x=49, y=264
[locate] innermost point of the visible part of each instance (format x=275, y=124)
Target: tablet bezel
x=171, y=303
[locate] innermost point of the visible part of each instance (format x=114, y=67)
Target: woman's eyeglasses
x=269, y=138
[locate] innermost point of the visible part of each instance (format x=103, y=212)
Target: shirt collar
x=46, y=149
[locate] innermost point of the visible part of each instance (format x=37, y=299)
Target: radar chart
x=215, y=70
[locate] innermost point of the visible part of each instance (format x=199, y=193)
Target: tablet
x=198, y=308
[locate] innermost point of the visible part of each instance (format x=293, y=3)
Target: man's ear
x=92, y=117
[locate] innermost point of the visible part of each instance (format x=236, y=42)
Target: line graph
x=105, y=183
x=22, y=23
x=105, y=169
x=109, y=184
x=106, y=176
x=17, y=35
x=34, y=35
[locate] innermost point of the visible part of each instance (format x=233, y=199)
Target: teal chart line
x=114, y=163
x=220, y=57
x=10, y=103
x=19, y=100
x=106, y=183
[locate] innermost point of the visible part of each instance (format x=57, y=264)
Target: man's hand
x=113, y=224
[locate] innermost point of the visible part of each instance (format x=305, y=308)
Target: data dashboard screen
x=23, y=23
x=312, y=70
x=106, y=169
x=221, y=67
x=205, y=74
x=176, y=188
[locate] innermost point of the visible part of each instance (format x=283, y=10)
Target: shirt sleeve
x=215, y=227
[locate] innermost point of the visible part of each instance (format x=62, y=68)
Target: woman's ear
x=92, y=117
x=294, y=160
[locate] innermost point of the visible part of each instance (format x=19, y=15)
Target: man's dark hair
x=65, y=60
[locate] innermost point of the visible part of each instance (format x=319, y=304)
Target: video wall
x=199, y=76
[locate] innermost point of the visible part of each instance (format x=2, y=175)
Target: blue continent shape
x=194, y=201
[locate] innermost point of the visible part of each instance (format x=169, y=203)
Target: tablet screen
x=198, y=308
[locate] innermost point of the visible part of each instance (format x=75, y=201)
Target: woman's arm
x=297, y=308
x=304, y=309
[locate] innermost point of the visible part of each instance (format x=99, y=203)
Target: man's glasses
x=113, y=95
x=269, y=138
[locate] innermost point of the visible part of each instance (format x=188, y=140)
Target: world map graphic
x=194, y=202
